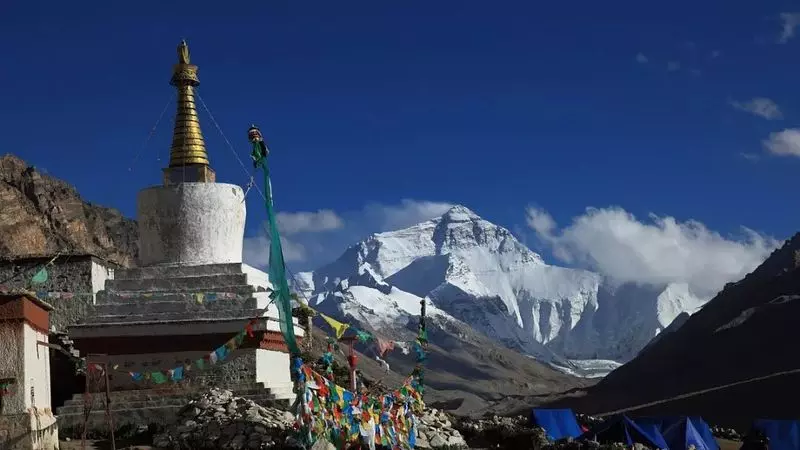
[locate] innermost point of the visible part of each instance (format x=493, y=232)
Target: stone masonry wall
x=69, y=287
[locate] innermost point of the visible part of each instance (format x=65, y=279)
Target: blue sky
x=495, y=105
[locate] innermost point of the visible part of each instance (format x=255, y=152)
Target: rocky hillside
x=41, y=215
x=747, y=332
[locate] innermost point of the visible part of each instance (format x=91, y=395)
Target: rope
x=150, y=135
x=230, y=146
x=40, y=267
x=252, y=183
x=702, y=391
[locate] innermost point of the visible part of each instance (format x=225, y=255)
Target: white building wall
x=272, y=369
x=12, y=365
x=26, y=420
x=99, y=275
x=37, y=369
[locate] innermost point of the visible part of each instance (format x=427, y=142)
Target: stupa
x=190, y=292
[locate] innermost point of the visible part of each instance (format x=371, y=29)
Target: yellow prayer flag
x=337, y=326
x=199, y=297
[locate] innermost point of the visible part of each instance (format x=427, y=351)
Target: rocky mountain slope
x=477, y=273
x=41, y=215
x=748, y=331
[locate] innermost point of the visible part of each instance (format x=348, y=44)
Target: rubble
x=436, y=430
x=219, y=420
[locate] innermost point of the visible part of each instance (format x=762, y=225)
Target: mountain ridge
x=479, y=273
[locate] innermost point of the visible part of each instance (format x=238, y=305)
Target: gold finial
x=188, y=160
x=183, y=53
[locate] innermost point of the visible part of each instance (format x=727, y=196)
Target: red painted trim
x=143, y=345
x=21, y=308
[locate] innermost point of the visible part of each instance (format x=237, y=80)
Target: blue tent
x=623, y=429
x=782, y=434
x=557, y=423
x=683, y=433
x=680, y=432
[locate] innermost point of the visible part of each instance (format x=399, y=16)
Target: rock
x=438, y=441
x=323, y=445
x=218, y=420
x=43, y=215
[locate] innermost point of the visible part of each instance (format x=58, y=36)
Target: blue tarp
x=782, y=434
x=557, y=423
x=623, y=429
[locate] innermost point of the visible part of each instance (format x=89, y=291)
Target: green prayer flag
x=40, y=277
x=277, y=265
x=363, y=336
x=158, y=377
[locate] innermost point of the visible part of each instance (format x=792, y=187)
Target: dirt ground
x=725, y=444
x=100, y=445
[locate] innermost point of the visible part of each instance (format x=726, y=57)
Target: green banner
x=277, y=265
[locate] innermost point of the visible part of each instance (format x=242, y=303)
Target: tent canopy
x=689, y=431
x=782, y=434
x=623, y=429
x=557, y=423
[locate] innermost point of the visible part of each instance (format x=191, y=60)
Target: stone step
x=191, y=306
x=177, y=271
x=197, y=283
x=176, y=295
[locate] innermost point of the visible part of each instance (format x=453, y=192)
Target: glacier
x=477, y=273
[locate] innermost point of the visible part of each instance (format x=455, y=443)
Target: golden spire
x=188, y=160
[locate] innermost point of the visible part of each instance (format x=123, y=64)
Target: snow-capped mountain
x=478, y=273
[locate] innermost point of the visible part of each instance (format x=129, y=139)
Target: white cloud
x=760, y=106
x=659, y=251
x=790, y=24
x=784, y=143
x=641, y=59
x=750, y=156
x=673, y=66
x=715, y=54
x=407, y=213
x=256, y=250
x=308, y=222
x=311, y=239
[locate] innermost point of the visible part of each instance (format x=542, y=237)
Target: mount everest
x=476, y=273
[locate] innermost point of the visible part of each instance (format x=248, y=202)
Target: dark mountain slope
x=751, y=329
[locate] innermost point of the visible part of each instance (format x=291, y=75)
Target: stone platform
x=159, y=317
x=154, y=406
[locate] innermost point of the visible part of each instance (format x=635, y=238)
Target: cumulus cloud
x=789, y=21
x=256, y=250
x=308, y=222
x=641, y=58
x=405, y=214
x=759, y=106
x=311, y=239
x=673, y=66
x=660, y=250
x=784, y=143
